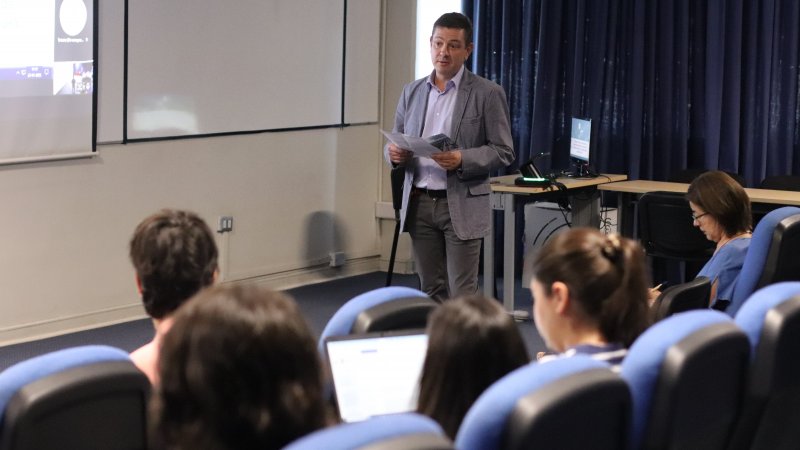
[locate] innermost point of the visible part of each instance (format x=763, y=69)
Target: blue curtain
x=668, y=84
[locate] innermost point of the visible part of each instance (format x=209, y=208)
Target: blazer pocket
x=480, y=189
x=470, y=120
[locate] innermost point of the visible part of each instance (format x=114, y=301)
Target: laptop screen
x=376, y=373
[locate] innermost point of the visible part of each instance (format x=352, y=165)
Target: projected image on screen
x=46, y=78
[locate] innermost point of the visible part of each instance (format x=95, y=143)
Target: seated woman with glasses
x=721, y=210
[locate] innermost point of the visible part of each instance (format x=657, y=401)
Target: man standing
x=446, y=197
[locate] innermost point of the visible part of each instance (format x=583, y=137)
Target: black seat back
x=699, y=389
x=100, y=405
x=598, y=400
x=399, y=314
x=666, y=230
x=693, y=294
x=783, y=258
x=770, y=416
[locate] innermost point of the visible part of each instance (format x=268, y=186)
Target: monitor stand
x=581, y=170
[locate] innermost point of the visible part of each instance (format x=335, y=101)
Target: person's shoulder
x=736, y=246
x=479, y=81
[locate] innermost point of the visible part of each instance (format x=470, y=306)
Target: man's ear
x=560, y=293
x=139, y=284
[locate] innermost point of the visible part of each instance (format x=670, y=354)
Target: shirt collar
x=455, y=81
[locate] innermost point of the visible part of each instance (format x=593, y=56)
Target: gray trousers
x=447, y=265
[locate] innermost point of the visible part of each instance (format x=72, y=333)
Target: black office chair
x=770, y=416
x=781, y=183
x=667, y=234
x=688, y=175
x=693, y=294
x=777, y=182
x=399, y=314
x=398, y=175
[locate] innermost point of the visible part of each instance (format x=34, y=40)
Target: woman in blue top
x=590, y=294
x=721, y=209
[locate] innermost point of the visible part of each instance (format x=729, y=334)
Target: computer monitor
x=376, y=373
x=580, y=146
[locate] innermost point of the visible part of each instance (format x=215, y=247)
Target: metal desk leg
x=509, y=228
x=488, y=254
x=509, y=252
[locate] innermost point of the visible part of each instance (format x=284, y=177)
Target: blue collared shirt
x=438, y=120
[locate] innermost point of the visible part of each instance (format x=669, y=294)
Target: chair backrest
x=398, y=314
x=781, y=183
x=408, y=431
x=686, y=375
x=682, y=297
x=82, y=397
x=341, y=323
x=770, y=417
x=542, y=403
x=666, y=230
x=771, y=257
x=688, y=175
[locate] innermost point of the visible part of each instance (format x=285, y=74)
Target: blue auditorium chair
x=686, y=374
x=564, y=403
x=382, y=309
x=407, y=431
x=78, y=398
x=771, y=257
x=770, y=416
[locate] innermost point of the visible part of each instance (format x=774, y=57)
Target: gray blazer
x=480, y=128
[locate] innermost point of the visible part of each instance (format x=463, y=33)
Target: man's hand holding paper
x=416, y=144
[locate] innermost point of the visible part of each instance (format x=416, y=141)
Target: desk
x=584, y=213
x=627, y=191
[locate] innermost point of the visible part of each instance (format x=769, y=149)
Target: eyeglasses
x=698, y=216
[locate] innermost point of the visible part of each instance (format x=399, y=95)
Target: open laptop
x=376, y=373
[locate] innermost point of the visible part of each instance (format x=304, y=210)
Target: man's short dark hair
x=457, y=21
x=174, y=255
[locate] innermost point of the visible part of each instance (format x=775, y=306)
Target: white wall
x=294, y=196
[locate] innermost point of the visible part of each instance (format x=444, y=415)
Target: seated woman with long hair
x=239, y=369
x=590, y=293
x=721, y=210
x=472, y=342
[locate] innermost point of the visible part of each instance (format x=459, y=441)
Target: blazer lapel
x=464, y=90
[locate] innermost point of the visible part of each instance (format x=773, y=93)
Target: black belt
x=432, y=193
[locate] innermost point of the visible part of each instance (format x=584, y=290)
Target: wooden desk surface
x=756, y=195
x=506, y=183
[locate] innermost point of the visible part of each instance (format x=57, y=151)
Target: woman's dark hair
x=239, y=369
x=606, y=277
x=719, y=195
x=456, y=21
x=472, y=342
x=174, y=255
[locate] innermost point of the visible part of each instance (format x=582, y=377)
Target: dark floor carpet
x=318, y=302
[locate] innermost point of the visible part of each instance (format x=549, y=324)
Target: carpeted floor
x=317, y=301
